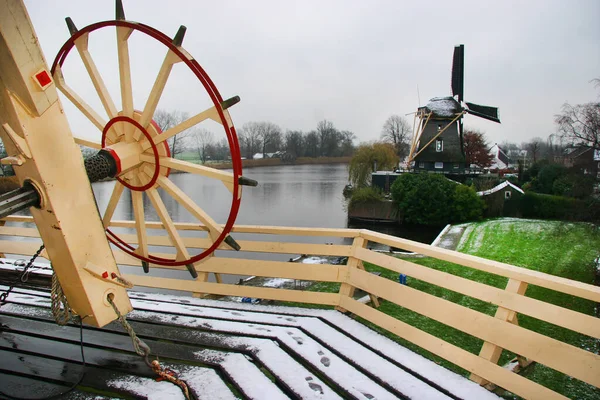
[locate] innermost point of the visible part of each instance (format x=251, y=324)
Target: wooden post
x=353, y=262
x=490, y=351
x=35, y=130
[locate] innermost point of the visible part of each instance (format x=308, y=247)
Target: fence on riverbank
x=499, y=332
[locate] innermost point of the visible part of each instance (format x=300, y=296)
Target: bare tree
x=294, y=142
x=311, y=141
x=325, y=132
x=580, y=124
x=534, y=147
x=270, y=137
x=397, y=131
x=169, y=119
x=204, y=140
x=250, y=139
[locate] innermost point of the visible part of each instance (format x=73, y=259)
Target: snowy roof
x=500, y=187
x=330, y=343
x=446, y=107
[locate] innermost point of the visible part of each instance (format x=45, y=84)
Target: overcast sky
x=354, y=63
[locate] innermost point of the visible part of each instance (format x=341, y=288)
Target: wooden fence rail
x=498, y=332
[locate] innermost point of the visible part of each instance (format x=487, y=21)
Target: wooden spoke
x=137, y=201
x=185, y=166
x=112, y=203
x=82, y=47
x=87, y=143
x=123, y=34
x=210, y=113
x=183, y=199
x=163, y=214
x=74, y=98
x=156, y=92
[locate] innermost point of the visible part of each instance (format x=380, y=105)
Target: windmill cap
x=443, y=107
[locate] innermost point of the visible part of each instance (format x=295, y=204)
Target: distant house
x=497, y=200
x=584, y=159
x=501, y=159
x=516, y=155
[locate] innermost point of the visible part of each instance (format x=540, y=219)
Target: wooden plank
x=137, y=201
x=331, y=299
x=174, y=237
x=182, y=198
x=157, y=90
x=576, y=321
x=564, y=285
x=492, y=372
x=203, y=243
x=210, y=113
x=223, y=265
x=77, y=101
x=267, y=230
x=82, y=47
x=490, y=351
x=560, y=356
x=112, y=203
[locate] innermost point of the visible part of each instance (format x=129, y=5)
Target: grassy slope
x=562, y=249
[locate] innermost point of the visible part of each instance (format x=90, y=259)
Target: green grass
x=562, y=249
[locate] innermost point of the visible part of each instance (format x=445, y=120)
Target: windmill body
x=437, y=144
x=445, y=151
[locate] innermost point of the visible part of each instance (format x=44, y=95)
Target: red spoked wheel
x=139, y=147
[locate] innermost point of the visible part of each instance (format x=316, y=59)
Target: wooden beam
x=77, y=101
x=112, y=203
x=548, y=281
x=299, y=296
x=439, y=133
x=560, y=356
x=81, y=43
x=470, y=362
x=157, y=90
x=510, y=300
x=490, y=351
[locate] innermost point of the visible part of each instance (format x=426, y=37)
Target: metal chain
x=23, y=277
x=143, y=350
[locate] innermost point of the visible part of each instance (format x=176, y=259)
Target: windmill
x=437, y=143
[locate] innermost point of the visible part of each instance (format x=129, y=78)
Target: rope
x=143, y=350
x=60, y=305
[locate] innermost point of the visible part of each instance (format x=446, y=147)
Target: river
x=291, y=195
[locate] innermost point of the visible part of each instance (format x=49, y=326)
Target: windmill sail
x=458, y=72
x=486, y=112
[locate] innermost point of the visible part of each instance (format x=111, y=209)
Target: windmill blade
x=458, y=72
x=485, y=112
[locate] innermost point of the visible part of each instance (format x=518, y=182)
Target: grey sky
x=352, y=62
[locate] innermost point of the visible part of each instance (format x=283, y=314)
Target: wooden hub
x=127, y=140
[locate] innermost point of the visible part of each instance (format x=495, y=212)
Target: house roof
x=500, y=187
x=574, y=152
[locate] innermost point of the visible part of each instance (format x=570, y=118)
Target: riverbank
x=562, y=249
x=271, y=162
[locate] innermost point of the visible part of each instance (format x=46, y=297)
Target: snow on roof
x=500, y=187
x=297, y=328
x=444, y=106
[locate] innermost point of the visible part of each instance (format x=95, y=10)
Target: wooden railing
x=499, y=332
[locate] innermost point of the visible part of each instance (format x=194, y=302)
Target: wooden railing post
x=490, y=351
x=353, y=262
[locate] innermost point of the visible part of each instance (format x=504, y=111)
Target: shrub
x=361, y=164
x=431, y=199
x=535, y=205
x=364, y=195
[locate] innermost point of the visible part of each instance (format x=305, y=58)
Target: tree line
x=258, y=138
